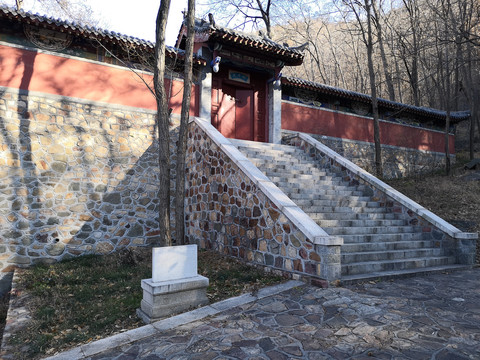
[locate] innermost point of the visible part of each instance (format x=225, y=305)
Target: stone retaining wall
x=226, y=211
x=76, y=177
x=397, y=161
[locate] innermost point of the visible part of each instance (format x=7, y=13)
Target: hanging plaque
x=239, y=76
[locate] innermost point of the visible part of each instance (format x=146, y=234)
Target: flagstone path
x=430, y=317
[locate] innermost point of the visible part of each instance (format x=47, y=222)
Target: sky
x=135, y=20
x=139, y=20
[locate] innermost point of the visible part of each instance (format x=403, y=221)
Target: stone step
x=279, y=157
x=387, y=246
x=305, y=174
x=353, y=209
x=360, y=223
x=332, y=200
x=320, y=192
x=372, y=230
x=295, y=183
x=395, y=265
x=318, y=186
x=353, y=216
x=369, y=256
x=294, y=169
x=323, y=178
x=262, y=146
x=394, y=274
x=288, y=170
x=386, y=237
x=292, y=194
x=284, y=163
x=306, y=179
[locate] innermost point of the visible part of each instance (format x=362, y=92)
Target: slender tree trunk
x=163, y=125
x=373, y=91
x=413, y=10
x=447, y=143
x=469, y=91
x=471, y=149
x=182, y=139
x=19, y=4
x=386, y=68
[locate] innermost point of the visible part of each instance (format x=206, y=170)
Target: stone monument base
x=164, y=298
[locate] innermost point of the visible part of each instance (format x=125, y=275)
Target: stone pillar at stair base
x=162, y=299
x=466, y=251
x=330, y=267
x=274, y=114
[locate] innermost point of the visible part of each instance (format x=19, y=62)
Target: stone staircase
x=377, y=242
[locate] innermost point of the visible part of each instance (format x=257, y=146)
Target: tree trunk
x=386, y=68
x=163, y=125
x=447, y=142
x=19, y=4
x=373, y=90
x=182, y=139
x=469, y=91
x=472, y=133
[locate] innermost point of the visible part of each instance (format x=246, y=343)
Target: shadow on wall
x=19, y=171
x=76, y=178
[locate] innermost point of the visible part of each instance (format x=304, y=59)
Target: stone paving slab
x=158, y=327
x=431, y=317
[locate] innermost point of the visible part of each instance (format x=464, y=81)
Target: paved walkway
x=430, y=317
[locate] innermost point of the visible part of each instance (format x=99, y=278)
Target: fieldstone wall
x=463, y=248
x=76, y=177
x=227, y=212
x=397, y=161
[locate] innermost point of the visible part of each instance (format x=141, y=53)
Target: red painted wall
x=346, y=126
x=29, y=70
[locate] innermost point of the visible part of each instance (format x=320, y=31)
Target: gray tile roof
x=291, y=55
x=85, y=31
x=71, y=27
x=384, y=103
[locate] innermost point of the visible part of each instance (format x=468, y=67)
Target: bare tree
x=182, y=140
x=163, y=126
x=243, y=13
x=377, y=20
x=363, y=9
x=77, y=11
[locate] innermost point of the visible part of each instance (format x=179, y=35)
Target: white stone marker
x=175, y=285
x=174, y=262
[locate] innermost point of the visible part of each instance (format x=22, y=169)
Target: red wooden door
x=238, y=111
x=244, y=114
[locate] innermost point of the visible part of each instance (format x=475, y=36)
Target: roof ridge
x=74, y=25
x=456, y=114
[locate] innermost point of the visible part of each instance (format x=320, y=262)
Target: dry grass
x=91, y=297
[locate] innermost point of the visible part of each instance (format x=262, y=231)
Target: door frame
x=260, y=108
